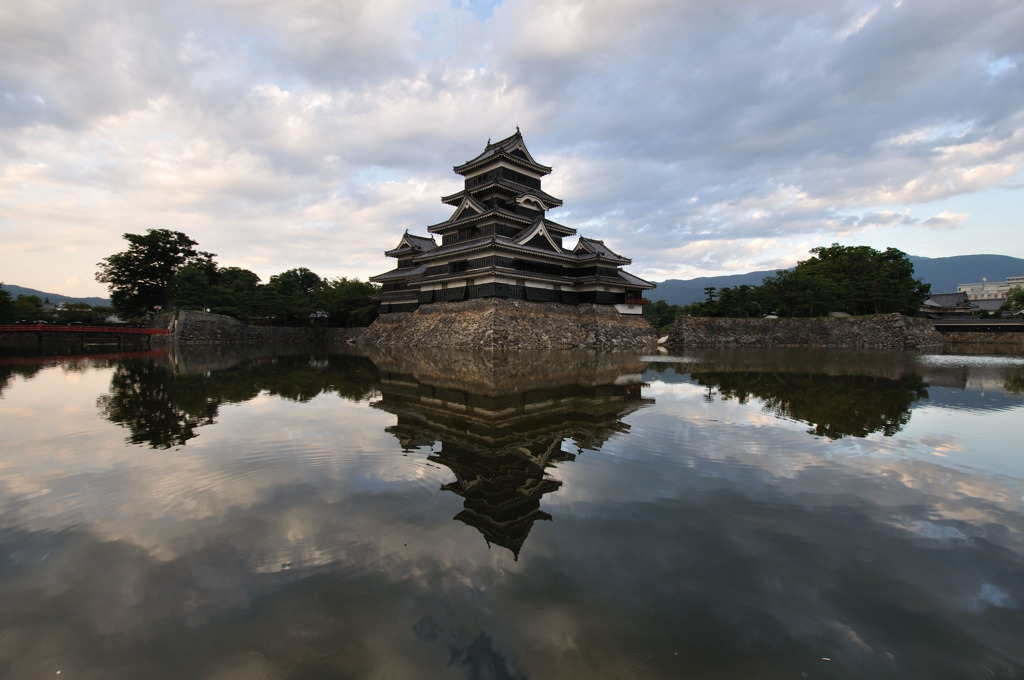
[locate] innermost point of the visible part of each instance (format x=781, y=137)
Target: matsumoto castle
x=499, y=243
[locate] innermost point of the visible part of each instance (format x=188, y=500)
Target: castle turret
x=499, y=242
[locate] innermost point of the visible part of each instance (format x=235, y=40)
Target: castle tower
x=499, y=243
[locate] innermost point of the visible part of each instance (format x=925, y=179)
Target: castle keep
x=499, y=243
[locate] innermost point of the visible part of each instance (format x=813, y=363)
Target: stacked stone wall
x=1004, y=342
x=512, y=324
x=881, y=331
x=497, y=372
x=202, y=328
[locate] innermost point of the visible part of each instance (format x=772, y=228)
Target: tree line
x=857, y=280
x=161, y=270
x=34, y=309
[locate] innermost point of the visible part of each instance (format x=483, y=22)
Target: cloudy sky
x=697, y=137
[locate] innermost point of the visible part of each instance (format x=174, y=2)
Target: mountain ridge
x=55, y=298
x=943, y=273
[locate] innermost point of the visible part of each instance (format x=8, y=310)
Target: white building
x=990, y=291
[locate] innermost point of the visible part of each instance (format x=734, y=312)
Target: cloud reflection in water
x=298, y=538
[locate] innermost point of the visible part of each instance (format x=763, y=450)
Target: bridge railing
x=58, y=328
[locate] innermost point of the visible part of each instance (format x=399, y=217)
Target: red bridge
x=53, y=328
x=72, y=339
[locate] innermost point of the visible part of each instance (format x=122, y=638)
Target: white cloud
x=245, y=123
x=945, y=220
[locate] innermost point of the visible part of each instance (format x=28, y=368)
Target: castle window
x=467, y=233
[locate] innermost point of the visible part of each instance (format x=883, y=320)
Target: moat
x=217, y=513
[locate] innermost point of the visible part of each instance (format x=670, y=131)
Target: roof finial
x=517, y=129
x=488, y=141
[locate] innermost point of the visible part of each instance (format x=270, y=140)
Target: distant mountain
x=686, y=291
x=55, y=298
x=946, y=273
x=943, y=273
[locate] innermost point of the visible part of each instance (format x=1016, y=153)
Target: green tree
x=79, y=312
x=100, y=314
x=740, y=302
x=29, y=308
x=700, y=309
x=661, y=314
x=790, y=292
x=291, y=297
x=862, y=280
x=347, y=302
x=1014, y=299
x=235, y=292
x=852, y=279
x=6, y=305
x=191, y=286
x=75, y=312
x=140, y=277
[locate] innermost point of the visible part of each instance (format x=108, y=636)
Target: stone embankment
x=500, y=372
x=970, y=342
x=880, y=331
x=512, y=324
x=202, y=328
x=515, y=324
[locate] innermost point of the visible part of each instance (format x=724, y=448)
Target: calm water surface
x=713, y=514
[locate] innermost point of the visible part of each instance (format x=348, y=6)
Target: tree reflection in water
x=157, y=408
x=9, y=370
x=703, y=540
x=835, y=406
x=500, y=422
x=162, y=404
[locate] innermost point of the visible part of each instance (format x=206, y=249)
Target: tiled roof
x=538, y=228
x=422, y=242
x=401, y=273
x=505, y=148
x=636, y=280
x=541, y=194
x=948, y=300
x=559, y=228
x=599, y=249
x=462, y=245
x=411, y=244
x=513, y=187
x=469, y=219
x=499, y=241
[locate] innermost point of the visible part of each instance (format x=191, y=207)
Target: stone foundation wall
x=202, y=328
x=497, y=323
x=880, y=331
x=1005, y=342
x=498, y=372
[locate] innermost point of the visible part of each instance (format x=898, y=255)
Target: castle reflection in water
x=501, y=421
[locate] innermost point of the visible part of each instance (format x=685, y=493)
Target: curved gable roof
x=598, y=248
x=468, y=205
x=512, y=149
x=412, y=244
x=538, y=228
